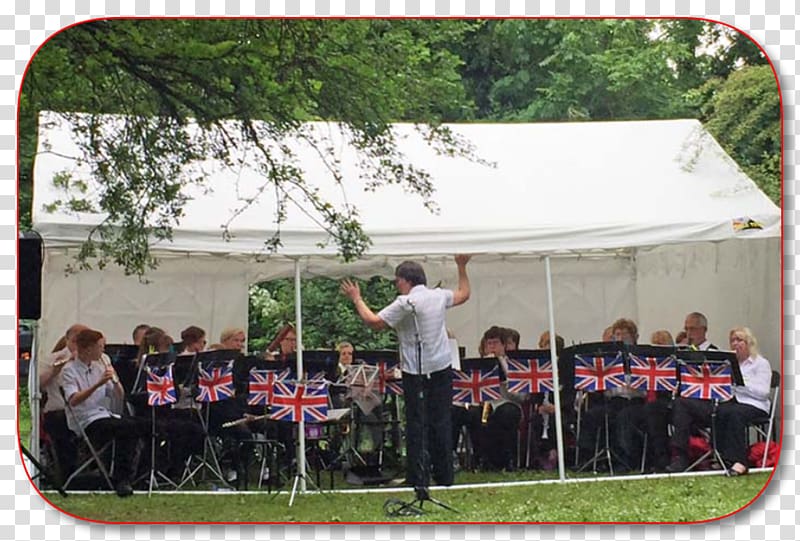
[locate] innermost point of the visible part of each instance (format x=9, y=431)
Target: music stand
x=527, y=355
x=121, y=352
x=596, y=350
x=386, y=387
x=150, y=362
x=691, y=357
x=315, y=362
x=207, y=360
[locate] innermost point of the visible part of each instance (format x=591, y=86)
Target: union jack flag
x=530, y=376
x=599, y=373
x=261, y=384
x=216, y=383
x=653, y=373
x=385, y=383
x=293, y=401
x=707, y=381
x=160, y=387
x=475, y=386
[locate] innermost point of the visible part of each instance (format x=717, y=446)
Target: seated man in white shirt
x=54, y=418
x=88, y=385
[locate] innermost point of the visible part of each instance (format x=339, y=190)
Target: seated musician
x=88, y=383
x=338, y=393
x=749, y=401
x=651, y=418
x=54, y=419
x=232, y=338
x=194, y=339
x=222, y=413
x=544, y=426
x=498, y=441
x=283, y=345
x=625, y=443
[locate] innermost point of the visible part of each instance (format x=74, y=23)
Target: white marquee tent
x=628, y=219
x=640, y=220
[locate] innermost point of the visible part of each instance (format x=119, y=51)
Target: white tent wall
x=571, y=190
x=510, y=292
x=211, y=292
x=734, y=283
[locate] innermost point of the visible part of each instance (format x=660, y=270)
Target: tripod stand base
x=399, y=508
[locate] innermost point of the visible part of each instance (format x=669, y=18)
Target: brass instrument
x=487, y=409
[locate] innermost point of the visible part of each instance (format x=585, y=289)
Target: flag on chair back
x=293, y=401
x=160, y=386
x=261, y=384
x=475, y=386
x=215, y=383
x=707, y=381
x=653, y=373
x=599, y=373
x=530, y=375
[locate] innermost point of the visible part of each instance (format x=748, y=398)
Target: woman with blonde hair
x=232, y=338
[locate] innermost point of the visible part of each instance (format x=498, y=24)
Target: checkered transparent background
x=24, y=515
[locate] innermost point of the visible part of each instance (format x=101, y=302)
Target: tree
x=226, y=75
x=523, y=70
x=742, y=112
x=328, y=316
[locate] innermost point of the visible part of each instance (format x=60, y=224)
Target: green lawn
x=678, y=499
x=682, y=499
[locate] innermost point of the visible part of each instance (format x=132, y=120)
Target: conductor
x=418, y=317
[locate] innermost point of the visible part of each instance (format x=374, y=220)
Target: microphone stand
x=393, y=507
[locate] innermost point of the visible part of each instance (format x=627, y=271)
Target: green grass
x=683, y=499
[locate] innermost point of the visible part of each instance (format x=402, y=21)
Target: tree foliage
x=328, y=316
x=227, y=75
x=742, y=111
x=364, y=74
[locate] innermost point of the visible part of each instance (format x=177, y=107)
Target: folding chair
x=95, y=456
x=764, y=426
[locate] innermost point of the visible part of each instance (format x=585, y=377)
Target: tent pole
x=301, y=427
x=34, y=400
x=554, y=357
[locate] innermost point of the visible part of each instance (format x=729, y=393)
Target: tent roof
x=554, y=187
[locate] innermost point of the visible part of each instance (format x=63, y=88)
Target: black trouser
x=184, y=431
x=63, y=441
x=428, y=399
x=732, y=421
x=688, y=412
x=126, y=432
x=501, y=437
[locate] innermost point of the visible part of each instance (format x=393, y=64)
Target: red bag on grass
x=755, y=454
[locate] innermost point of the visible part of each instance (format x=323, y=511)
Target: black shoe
x=123, y=489
x=678, y=465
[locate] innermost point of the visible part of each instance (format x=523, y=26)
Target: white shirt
x=430, y=306
x=757, y=376
x=77, y=376
x=706, y=345
x=54, y=400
